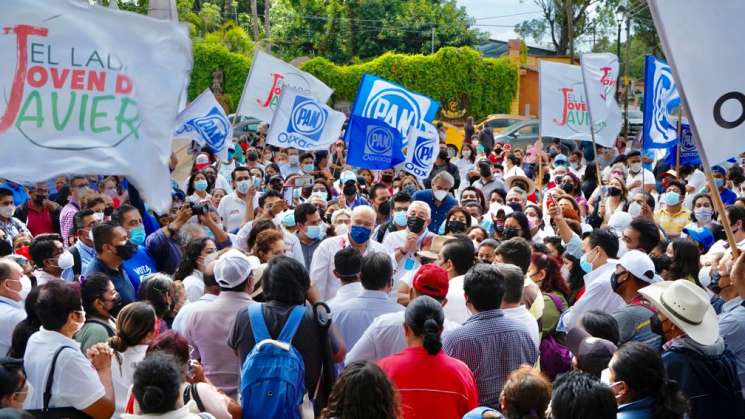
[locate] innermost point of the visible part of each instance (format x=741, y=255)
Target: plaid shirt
x=12, y=228
x=492, y=346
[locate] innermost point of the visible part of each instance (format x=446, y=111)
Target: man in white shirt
x=234, y=207
x=385, y=336
x=77, y=382
x=352, y=317
x=405, y=243
x=11, y=307
x=638, y=176
x=347, y=264
x=456, y=257
x=600, y=249
x=324, y=283
x=511, y=301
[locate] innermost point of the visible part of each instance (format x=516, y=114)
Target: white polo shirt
x=384, y=337
x=11, y=313
x=76, y=383
x=232, y=209
x=322, y=268
x=409, y=262
x=455, y=310
x=644, y=176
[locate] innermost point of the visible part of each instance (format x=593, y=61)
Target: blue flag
x=661, y=101
x=373, y=144
x=397, y=106
x=689, y=155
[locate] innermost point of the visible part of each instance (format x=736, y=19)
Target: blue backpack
x=273, y=375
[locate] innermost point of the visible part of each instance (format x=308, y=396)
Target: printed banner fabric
x=661, y=101
x=373, y=144
x=206, y=123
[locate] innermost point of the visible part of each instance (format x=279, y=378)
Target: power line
x=515, y=14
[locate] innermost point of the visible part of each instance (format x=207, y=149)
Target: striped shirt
x=66, y=219
x=492, y=346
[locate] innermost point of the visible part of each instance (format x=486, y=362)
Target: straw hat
x=687, y=306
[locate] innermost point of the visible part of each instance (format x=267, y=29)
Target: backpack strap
x=50, y=379
x=77, y=266
x=557, y=302
x=258, y=326
x=190, y=392
x=292, y=324
x=109, y=330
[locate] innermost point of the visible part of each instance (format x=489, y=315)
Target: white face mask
x=341, y=229
x=635, y=209
x=635, y=167
x=25, y=287
x=703, y=214
x=98, y=216
x=440, y=194
x=66, y=260
x=7, y=211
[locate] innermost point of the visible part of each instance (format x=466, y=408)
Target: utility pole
x=626, y=79
x=433, y=38
x=570, y=30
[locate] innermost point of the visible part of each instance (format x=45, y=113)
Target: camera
x=199, y=208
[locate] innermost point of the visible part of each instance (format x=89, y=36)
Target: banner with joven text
x=90, y=90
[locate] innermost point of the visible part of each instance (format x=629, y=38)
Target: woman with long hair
x=526, y=394
x=135, y=329
x=516, y=225
x=191, y=269
x=703, y=214
x=457, y=221
x=158, y=290
x=362, y=391
x=199, y=187
x=686, y=263
x=638, y=379
x=432, y=384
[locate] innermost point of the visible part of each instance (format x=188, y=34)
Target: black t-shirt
x=307, y=340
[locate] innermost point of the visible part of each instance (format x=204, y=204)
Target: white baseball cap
x=640, y=265
x=232, y=268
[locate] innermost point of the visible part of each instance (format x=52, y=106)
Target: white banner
x=304, y=123
x=206, y=123
x=564, y=112
x=701, y=47
x=266, y=80
x=600, y=76
x=422, y=150
x=90, y=90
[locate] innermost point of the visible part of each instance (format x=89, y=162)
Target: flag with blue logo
x=423, y=147
x=304, y=122
x=204, y=121
x=373, y=144
x=393, y=104
x=661, y=101
x=689, y=155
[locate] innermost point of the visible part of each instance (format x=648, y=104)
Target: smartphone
x=551, y=201
x=302, y=181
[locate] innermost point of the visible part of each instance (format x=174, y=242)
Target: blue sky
x=498, y=16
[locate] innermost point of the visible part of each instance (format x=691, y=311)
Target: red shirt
x=431, y=386
x=39, y=222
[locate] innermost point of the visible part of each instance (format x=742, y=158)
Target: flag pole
x=592, y=130
x=713, y=190
x=680, y=139
x=539, y=181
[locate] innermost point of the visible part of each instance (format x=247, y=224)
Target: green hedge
x=484, y=85
x=210, y=56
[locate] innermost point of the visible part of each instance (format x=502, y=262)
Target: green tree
x=211, y=17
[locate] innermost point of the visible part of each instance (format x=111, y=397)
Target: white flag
x=304, y=123
x=90, y=90
x=266, y=80
x=422, y=150
x=700, y=40
x=564, y=112
x=206, y=123
x=600, y=76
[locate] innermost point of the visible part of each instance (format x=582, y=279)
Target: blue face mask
x=360, y=234
x=585, y=264
x=672, y=198
x=307, y=168
x=208, y=232
x=399, y=218
x=137, y=235
x=487, y=224
x=200, y=185
x=315, y=232
x=719, y=182
x=410, y=189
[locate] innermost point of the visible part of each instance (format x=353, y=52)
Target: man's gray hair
x=447, y=177
x=518, y=190
x=514, y=281
x=189, y=231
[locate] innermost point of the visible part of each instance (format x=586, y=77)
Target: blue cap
x=719, y=169
x=478, y=412
x=701, y=235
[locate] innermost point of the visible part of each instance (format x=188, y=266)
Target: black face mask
x=455, y=226
x=714, y=284
x=126, y=251
x=349, y=190
x=510, y=232
x=613, y=191
x=39, y=199
x=655, y=326
x=517, y=207
x=415, y=224
x=614, y=282
x=567, y=187
x=385, y=208
x=387, y=178
x=252, y=157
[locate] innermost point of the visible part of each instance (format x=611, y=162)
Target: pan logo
x=213, y=127
x=307, y=118
x=423, y=152
x=394, y=106
x=378, y=144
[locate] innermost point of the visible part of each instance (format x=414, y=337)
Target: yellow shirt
x=672, y=224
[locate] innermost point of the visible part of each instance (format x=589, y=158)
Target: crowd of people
x=518, y=283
